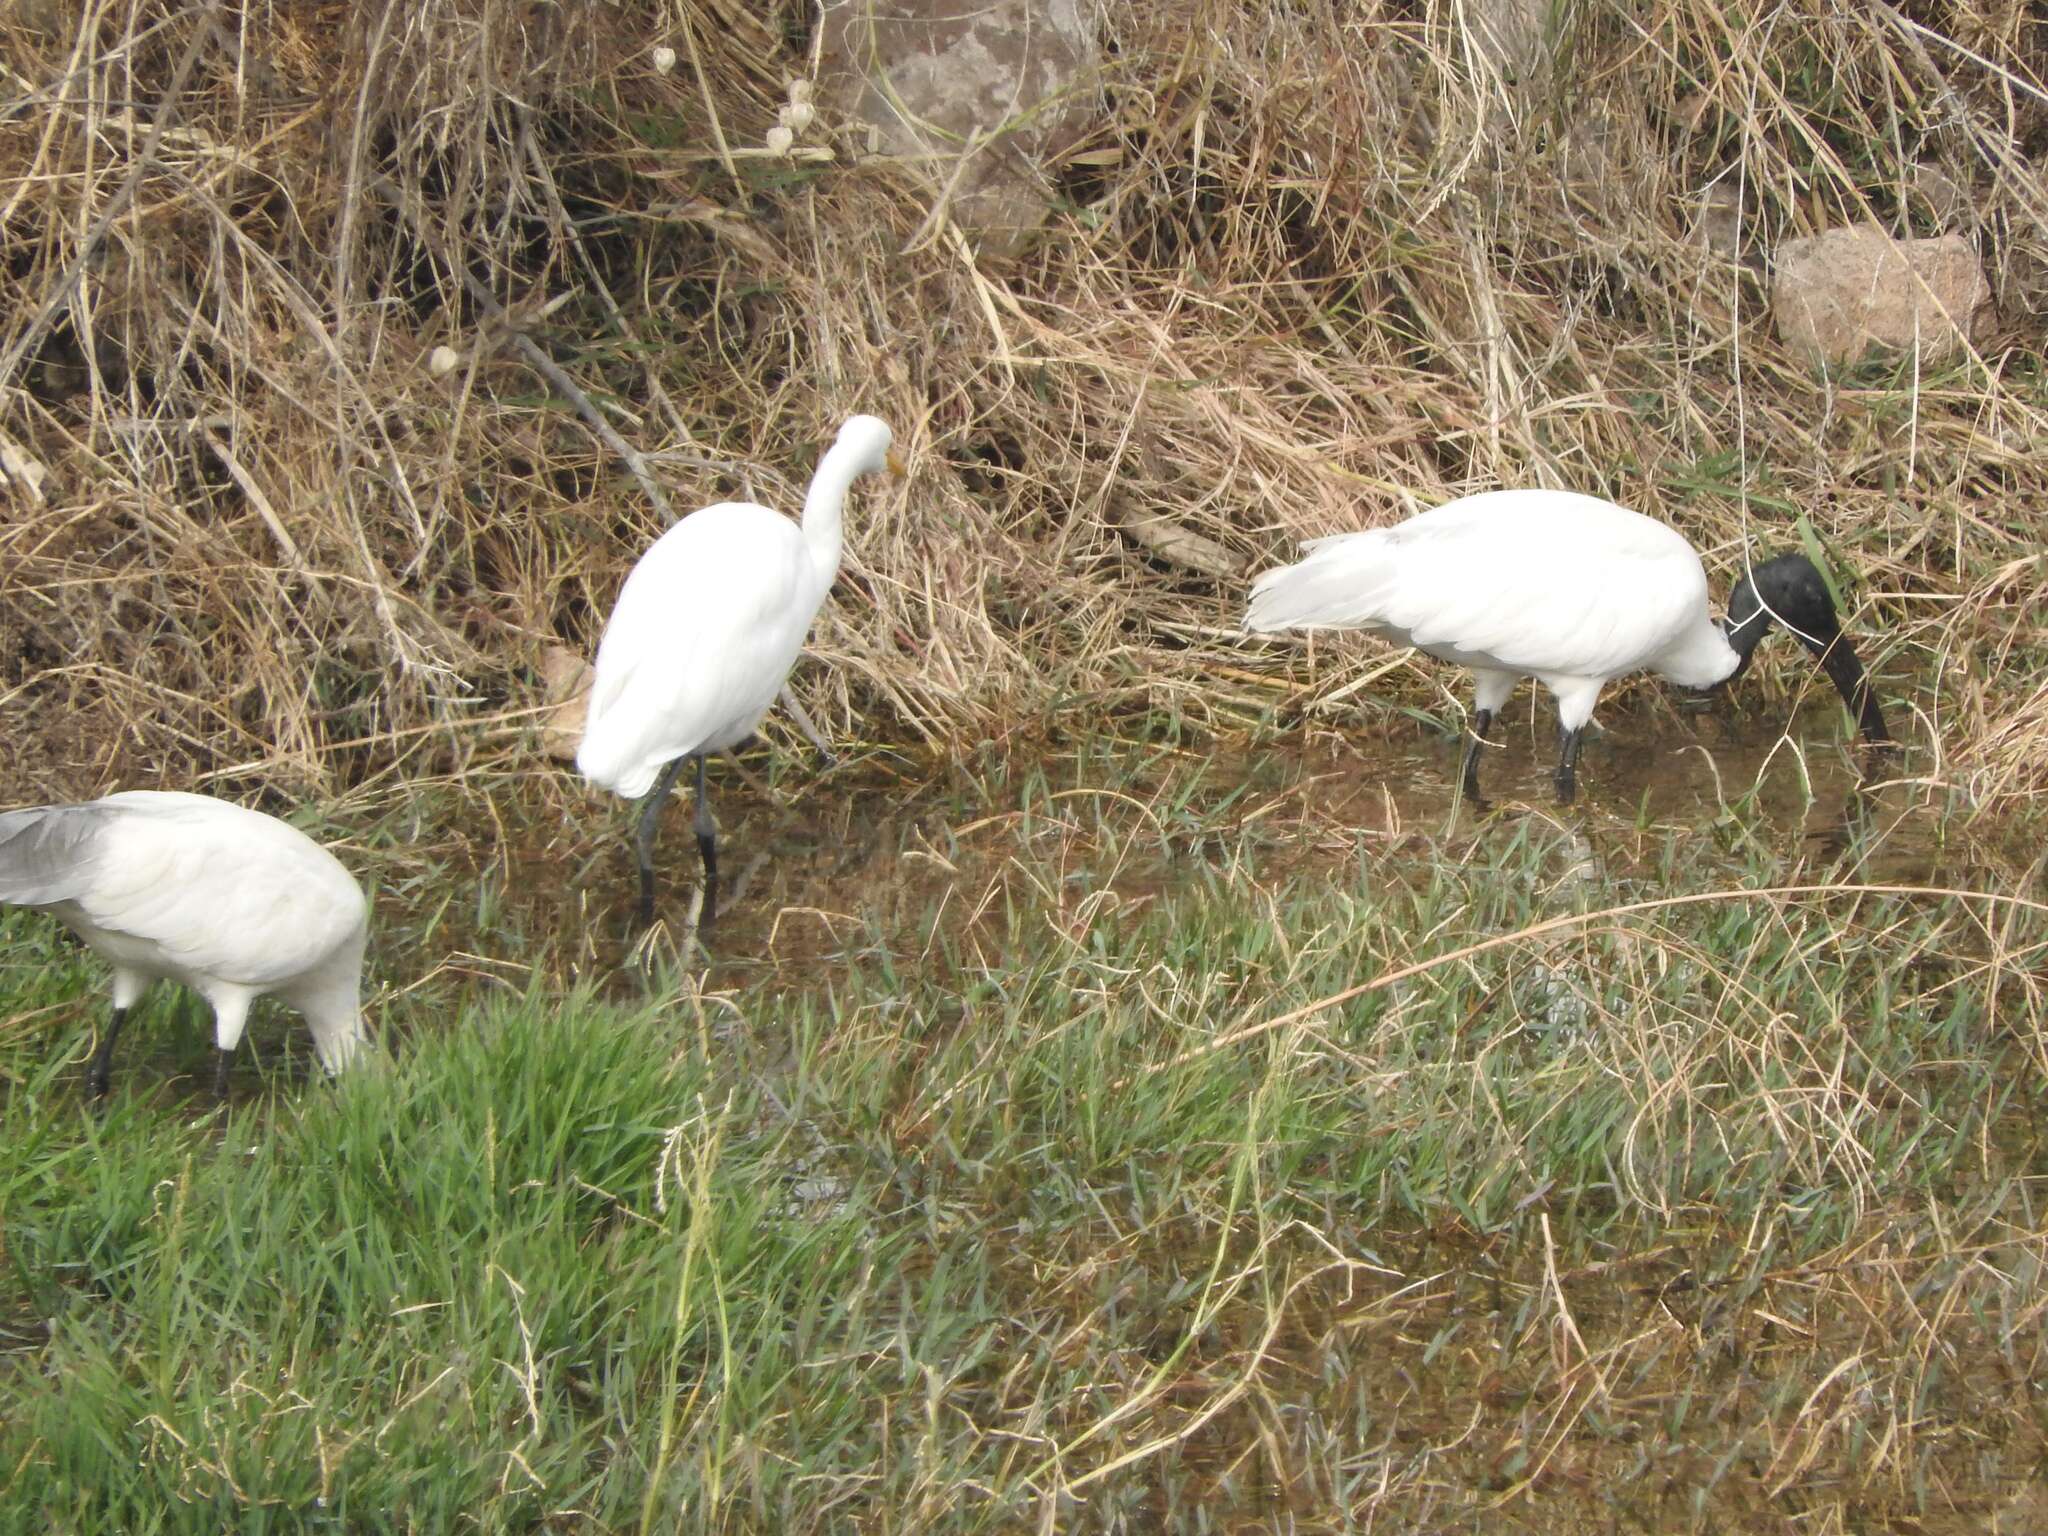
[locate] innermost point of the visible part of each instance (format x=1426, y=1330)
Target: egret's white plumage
x=227, y=901
x=705, y=632
x=1568, y=589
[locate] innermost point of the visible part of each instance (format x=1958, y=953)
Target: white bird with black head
x=1568, y=589
x=704, y=634
x=227, y=901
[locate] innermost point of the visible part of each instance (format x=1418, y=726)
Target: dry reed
x=1316, y=268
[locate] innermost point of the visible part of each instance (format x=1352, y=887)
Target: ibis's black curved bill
x=1845, y=670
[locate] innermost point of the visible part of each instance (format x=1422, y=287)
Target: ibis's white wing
x=49, y=853
x=1521, y=581
x=218, y=889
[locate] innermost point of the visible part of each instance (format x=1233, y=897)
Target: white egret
x=229, y=902
x=1568, y=589
x=706, y=630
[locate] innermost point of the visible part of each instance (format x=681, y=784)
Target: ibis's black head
x=1789, y=591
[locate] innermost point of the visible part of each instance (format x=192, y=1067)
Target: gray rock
x=1838, y=294
x=566, y=681
x=982, y=97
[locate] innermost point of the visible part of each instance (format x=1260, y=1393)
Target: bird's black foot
x=707, y=849
x=1567, y=765
x=643, y=838
x=99, y=1073
x=220, y=1073
x=1482, y=722
x=707, y=846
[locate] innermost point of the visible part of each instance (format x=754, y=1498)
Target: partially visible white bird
x=1568, y=589
x=705, y=632
x=229, y=902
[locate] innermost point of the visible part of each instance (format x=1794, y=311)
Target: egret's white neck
x=825, y=507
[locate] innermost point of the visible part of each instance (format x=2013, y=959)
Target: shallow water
x=889, y=854
x=832, y=861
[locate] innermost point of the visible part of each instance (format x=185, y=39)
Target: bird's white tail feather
x=614, y=759
x=1340, y=581
x=46, y=852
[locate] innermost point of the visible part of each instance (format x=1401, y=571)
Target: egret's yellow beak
x=897, y=468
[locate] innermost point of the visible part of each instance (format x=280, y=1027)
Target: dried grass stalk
x=1319, y=267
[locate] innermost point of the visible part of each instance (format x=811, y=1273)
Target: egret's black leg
x=707, y=845
x=100, y=1073
x=643, y=843
x=220, y=1072
x=1482, y=722
x=1567, y=764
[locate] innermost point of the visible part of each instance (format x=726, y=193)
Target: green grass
x=1700, y=1215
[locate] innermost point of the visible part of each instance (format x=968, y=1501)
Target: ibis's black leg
x=1567, y=764
x=220, y=1072
x=643, y=842
x=707, y=845
x=1482, y=722
x=100, y=1073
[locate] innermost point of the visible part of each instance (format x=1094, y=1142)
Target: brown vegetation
x=1318, y=267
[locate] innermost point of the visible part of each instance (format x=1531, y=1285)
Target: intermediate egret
x=229, y=902
x=1568, y=589
x=705, y=632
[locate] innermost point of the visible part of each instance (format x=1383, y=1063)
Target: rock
x=1007, y=83
x=565, y=681
x=1182, y=546
x=1839, y=293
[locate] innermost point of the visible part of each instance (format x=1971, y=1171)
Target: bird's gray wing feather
x=49, y=853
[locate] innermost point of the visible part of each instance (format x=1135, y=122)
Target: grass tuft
x=1133, y=1167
